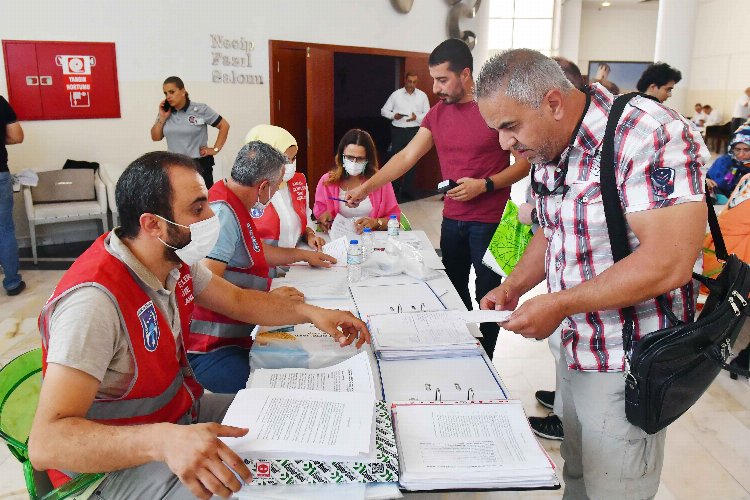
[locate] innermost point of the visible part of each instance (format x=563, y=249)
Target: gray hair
x=524, y=75
x=256, y=162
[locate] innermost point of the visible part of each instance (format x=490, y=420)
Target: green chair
x=405, y=224
x=20, y=383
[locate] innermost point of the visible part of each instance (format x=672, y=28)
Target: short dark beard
x=177, y=240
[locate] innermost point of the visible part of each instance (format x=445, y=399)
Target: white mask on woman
x=289, y=170
x=203, y=237
x=353, y=168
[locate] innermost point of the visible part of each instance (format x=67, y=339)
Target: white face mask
x=203, y=237
x=289, y=170
x=256, y=211
x=354, y=168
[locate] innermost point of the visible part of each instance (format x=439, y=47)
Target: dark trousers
x=736, y=122
x=400, y=137
x=463, y=244
x=206, y=169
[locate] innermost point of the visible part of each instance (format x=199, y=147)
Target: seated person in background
x=218, y=345
x=356, y=161
x=713, y=116
x=116, y=380
x=727, y=170
x=699, y=118
x=287, y=221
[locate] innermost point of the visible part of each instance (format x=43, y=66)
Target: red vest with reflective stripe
x=210, y=330
x=269, y=226
x=163, y=387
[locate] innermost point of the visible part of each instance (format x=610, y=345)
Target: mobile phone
x=446, y=185
x=166, y=106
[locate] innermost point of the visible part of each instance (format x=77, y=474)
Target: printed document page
x=407, y=297
x=342, y=227
x=316, y=283
x=337, y=250
x=352, y=375
x=419, y=329
x=468, y=440
x=289, y=423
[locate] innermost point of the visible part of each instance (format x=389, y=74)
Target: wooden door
x=320, y=145
x=289, y=98
x=428, y=168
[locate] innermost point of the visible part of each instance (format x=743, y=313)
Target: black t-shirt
x=7, y=116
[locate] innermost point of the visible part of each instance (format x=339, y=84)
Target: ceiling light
x=606, y=4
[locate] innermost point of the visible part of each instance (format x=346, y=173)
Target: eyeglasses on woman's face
x=355, y=159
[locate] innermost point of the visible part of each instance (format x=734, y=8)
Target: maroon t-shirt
x=468, y=148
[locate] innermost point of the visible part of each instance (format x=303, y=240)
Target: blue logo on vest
x=147, y=315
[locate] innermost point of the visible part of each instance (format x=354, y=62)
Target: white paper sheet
x=407, y=297
x=483, y=316
x=420, y=330
x=342, y=227
x=316, y=283
x=337, y=250
x=290, y=423
x=352, y=375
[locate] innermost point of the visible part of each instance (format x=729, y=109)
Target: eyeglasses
x=355, y=159
x=740, y=150
x=560, y=187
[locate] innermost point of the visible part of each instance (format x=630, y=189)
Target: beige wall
x=721, y=58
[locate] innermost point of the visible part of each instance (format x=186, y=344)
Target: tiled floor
x=707, y=451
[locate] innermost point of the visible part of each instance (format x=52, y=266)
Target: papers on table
x=469, y=445
x=466, y=378
x=406, y=297
x=316, y=283
x=419, y=334
x=342, y=227
x=352, y=375
x=337, y=250
x=301, y=424
x=298, y=346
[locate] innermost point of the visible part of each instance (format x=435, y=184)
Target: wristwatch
x=534, y=216
x=216, y=150
x=489, y=185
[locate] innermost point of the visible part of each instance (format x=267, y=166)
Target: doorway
x=306, y=81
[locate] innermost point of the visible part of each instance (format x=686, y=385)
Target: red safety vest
x=269, y=226
x=163, y=387
x=210, y=330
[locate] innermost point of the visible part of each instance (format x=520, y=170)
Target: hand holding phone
x=446, y=185
x=165, y=106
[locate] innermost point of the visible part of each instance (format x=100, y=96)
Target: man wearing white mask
x=287, y=221
x=117, y=386
x=218, y=345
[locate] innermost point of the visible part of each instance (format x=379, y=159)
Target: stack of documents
x=456, y=445
x=316, y=283
x=421, y=334
x=403, y=297
x=298, y=346
x=314, y=426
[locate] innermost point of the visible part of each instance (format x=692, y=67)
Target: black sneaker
x=20, y=288
x=545, y=398
x=549, y=427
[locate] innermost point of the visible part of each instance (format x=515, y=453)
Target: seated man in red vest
x=217, y=345
x=116, y=378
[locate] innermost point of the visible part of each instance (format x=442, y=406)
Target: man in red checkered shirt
x=660, y=175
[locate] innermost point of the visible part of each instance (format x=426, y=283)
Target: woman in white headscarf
x=287, y=221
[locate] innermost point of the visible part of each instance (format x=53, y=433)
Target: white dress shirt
x=405, y=104
x=714, y=118
x=742, y=107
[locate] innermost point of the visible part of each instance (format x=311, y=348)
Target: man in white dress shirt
x=406, y=107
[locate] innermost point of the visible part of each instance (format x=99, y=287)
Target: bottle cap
x=368, y=230
x=353, y=242
x=393, y=216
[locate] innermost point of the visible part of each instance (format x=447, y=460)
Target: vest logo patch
x=150, y=326
x=254, y=242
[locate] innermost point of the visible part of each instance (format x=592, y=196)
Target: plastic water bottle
x=391, y=246
x=367, y=244
x=353, y=262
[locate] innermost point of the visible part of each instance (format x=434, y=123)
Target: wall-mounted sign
x=232, y=61
x=62, y=80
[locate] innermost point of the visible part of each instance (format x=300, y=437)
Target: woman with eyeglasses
x=727, y=170
x=287, y=220
x=356, y=161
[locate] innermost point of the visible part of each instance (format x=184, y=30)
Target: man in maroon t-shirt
x=469, y=154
